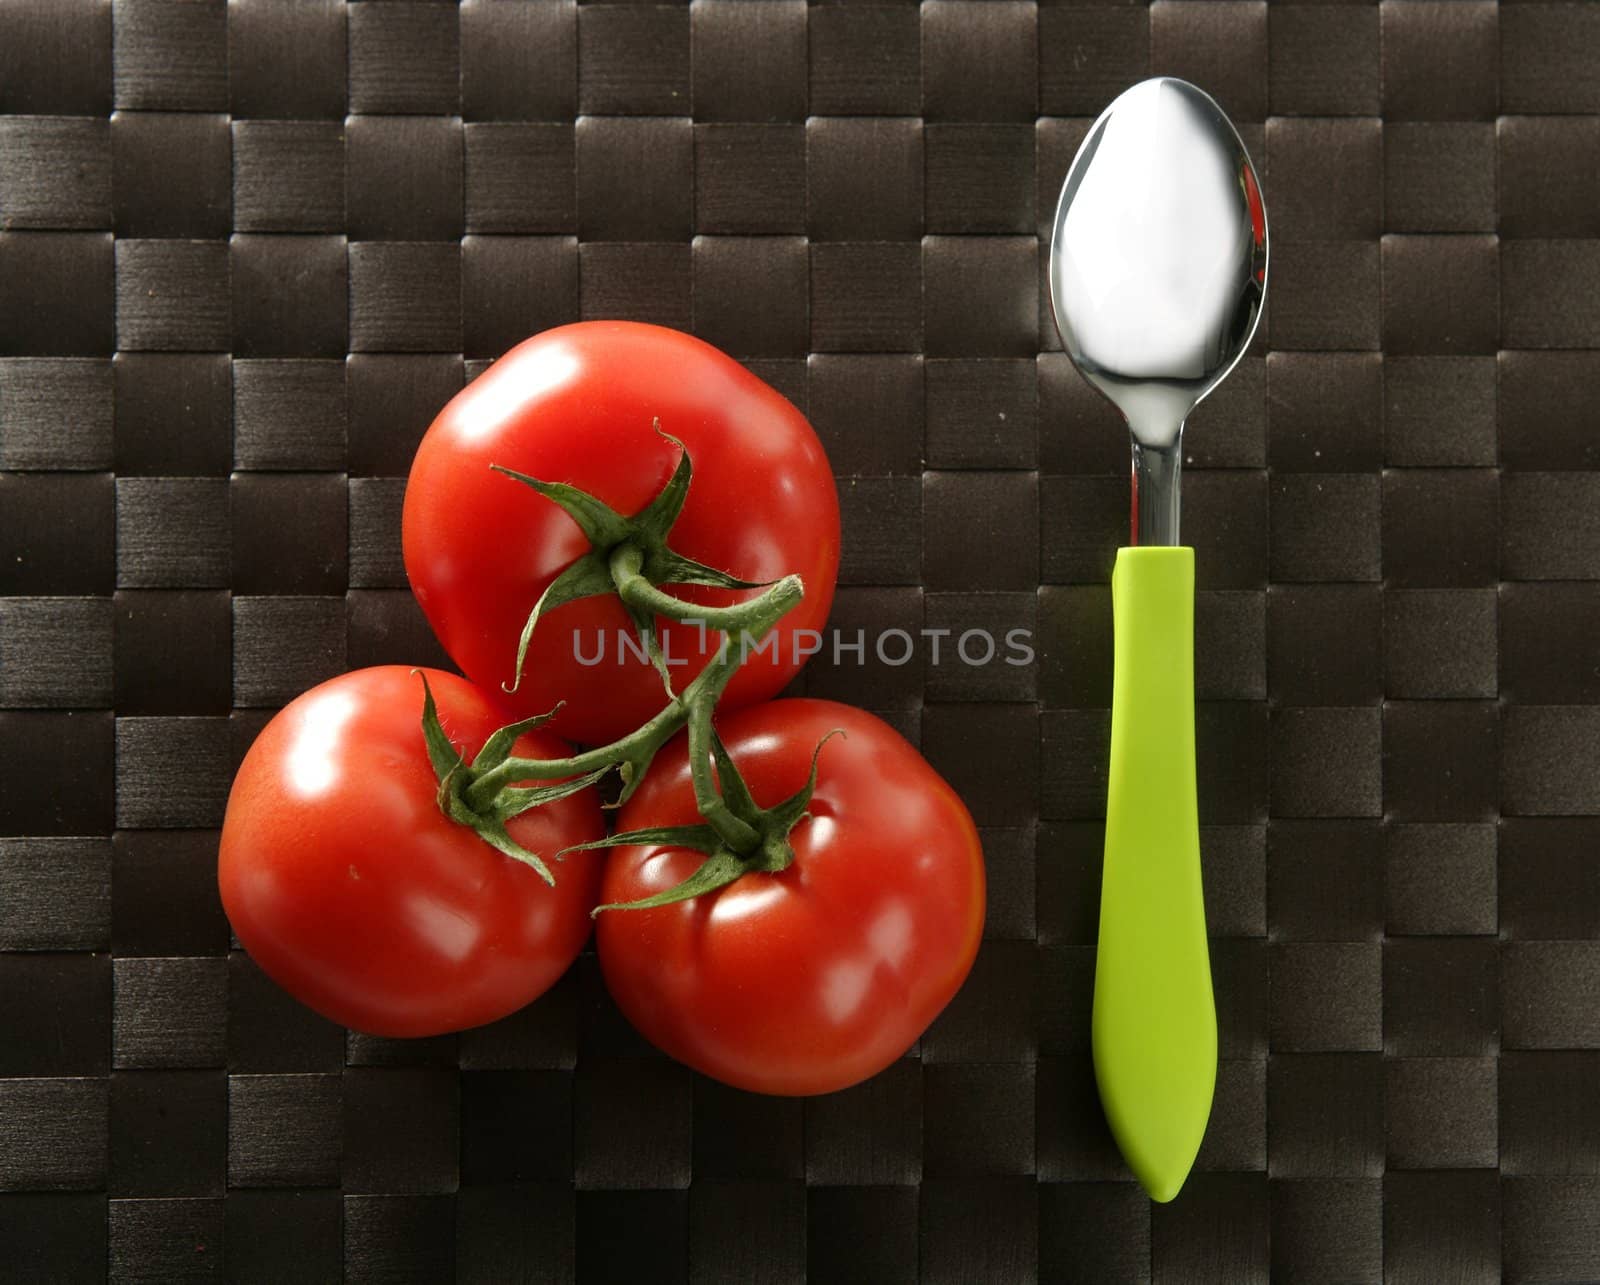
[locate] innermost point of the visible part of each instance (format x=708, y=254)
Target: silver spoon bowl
x=1158, y=269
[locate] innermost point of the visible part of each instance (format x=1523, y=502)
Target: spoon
x=1158, y=270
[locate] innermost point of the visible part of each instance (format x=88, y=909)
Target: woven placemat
x=247, y=250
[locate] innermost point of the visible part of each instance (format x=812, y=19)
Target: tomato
x=815, y=977
x=353, y=892
x=578, y=405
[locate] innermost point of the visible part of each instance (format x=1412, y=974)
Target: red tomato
x=354, y=893
x=576, y=405
x=816, y=977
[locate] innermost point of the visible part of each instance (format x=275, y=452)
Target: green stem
x=640, y=742
x=738, y=834
x=635, y=589
x=745, y=620
x=723, y=864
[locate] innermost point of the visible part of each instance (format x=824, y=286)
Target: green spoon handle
x=1155, y=1023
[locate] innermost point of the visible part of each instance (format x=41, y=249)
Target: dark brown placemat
x=227, y=311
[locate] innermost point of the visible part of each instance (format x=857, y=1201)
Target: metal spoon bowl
x=1158, y=269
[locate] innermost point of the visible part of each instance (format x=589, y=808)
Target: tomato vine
x=631, y=558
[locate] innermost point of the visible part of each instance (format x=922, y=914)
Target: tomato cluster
x=598, y=526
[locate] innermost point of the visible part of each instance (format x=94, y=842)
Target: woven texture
x=246, y=252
